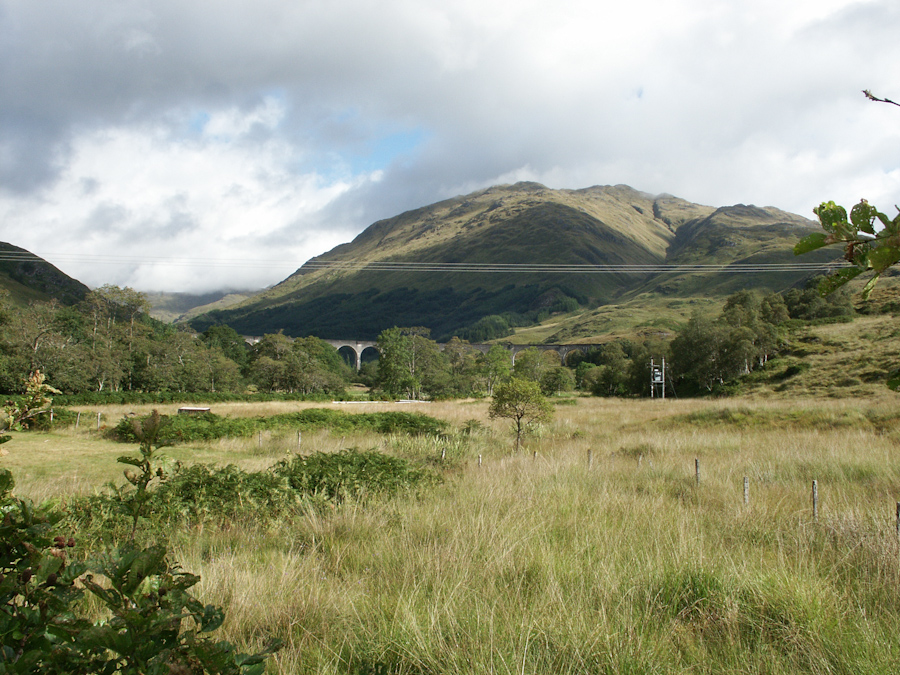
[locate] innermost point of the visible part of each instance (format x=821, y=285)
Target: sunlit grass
x=593, y=550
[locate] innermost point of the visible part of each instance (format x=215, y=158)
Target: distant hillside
x=174, y=307
x=400, y=271
x=29, y=278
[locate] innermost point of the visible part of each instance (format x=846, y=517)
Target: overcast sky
x=205, y=144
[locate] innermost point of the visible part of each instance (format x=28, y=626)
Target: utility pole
x=658, y=379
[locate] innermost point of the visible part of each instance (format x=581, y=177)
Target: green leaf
x=830, y=284
x=133, y=461
x=109, y=598
x=887, y=222
x=863, y=216
x=7, y=482
x=146, y=563
x=213, y=617
x=832, y=216
x=867, y=289
x=882, y=257
x=811, y=243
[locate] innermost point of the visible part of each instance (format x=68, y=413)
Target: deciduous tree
x=522, y=402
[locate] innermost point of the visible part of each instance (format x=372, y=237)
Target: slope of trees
x=110, y=343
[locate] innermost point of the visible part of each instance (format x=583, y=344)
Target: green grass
x=549, y=563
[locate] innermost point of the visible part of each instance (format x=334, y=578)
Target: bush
x=154, y=624
x=204, y=491
x=209, y=426
x=351, y=474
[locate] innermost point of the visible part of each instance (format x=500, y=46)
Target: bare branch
x=869, y=95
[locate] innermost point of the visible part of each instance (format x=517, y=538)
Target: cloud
x=229, y=131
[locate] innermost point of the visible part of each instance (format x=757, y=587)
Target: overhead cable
x=435, y=266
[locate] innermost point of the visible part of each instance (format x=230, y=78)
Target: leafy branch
x=871, y=242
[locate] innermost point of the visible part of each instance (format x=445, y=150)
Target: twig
x=872, y=97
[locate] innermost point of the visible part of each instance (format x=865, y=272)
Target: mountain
x=405, y=270
x=29, y=278
x=175, y=307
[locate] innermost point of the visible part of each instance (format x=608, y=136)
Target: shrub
x=154, y=624
x=209, y=426
x=201, y=491
x=351, y=473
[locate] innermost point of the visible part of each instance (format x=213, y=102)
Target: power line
x=532, y=268
x=446, y=267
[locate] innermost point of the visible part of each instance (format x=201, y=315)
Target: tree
x=556, y=380
x=494, y=367
x=532, y=363
x=319, y=367
x=613, y=381
x=773, y=310
x=409, y=362
x=522, y=402
x=698, y=352
x=462, y=360
x=229, y=341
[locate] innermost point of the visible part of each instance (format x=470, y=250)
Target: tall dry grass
x=549, y=563
x=593, y=550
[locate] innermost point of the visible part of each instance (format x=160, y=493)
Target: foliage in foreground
x=867, y=248
x=152, y=625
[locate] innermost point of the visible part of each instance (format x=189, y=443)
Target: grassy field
x=595, y=550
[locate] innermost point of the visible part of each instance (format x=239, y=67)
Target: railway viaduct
x=357, y=347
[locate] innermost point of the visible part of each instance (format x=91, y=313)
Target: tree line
x=706, y=354
x=109, y=343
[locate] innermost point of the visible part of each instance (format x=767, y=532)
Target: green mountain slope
x=26, y=278
x=175, y=307
x=335, y=295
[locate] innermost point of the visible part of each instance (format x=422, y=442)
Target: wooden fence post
x=697, y=470
x=77, y=419
x=299, y=438
x=479, y=461
x=815, y=500
x=746, y=490
x=98, y=421
x=590, y=457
